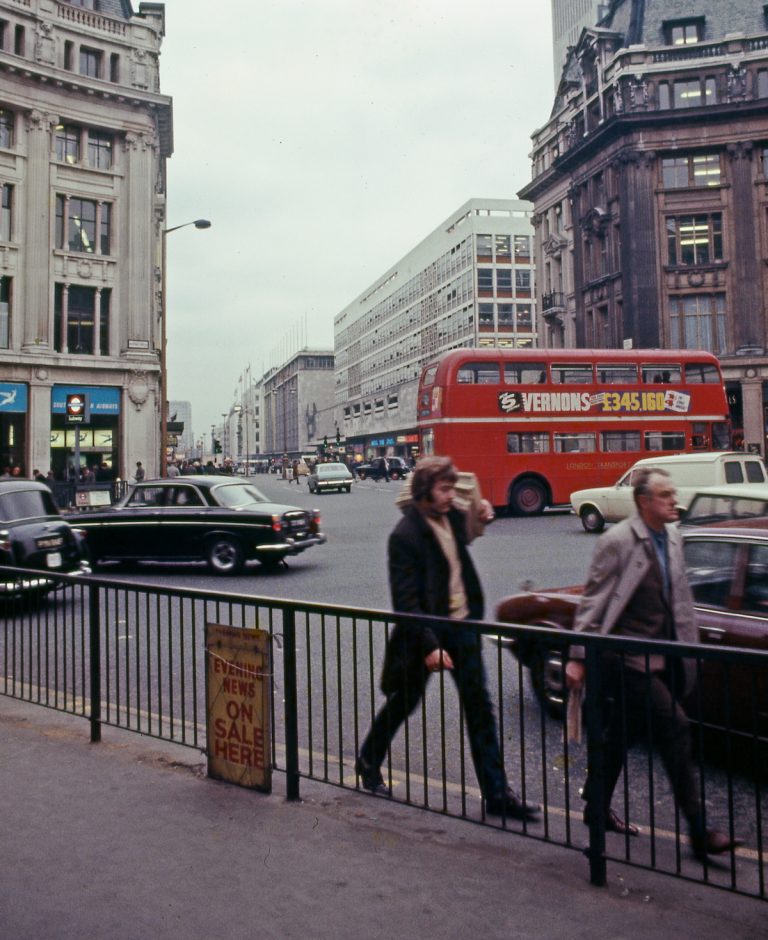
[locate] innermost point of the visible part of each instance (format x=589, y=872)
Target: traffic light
x=325, y=442
x=216, y=446
x=338, y=437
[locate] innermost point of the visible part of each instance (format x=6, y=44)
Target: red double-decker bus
x=534, y=425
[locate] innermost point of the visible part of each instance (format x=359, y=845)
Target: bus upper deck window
x=702, y=373
x=478, y=373
x=525, y=373
x=571, y=374
x=666, y=374
x=616, y=373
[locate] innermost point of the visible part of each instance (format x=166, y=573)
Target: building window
x=6, y=210
x=485, y=316
x=7, y=122
x=522, y=247
x=90, y=62
x=99, y=150
x=114, y=68
x=67, y=143
x=692, y=170
x=524, y=318
x=485, y=280
x=697, y=321
x=504, y=282
x=5, y=312
x=76, y=311
x=694, y=93
x=484, y=247
x=18, y=40
x=505, y=313
x=83, y=225
x=695, y=239
x=503, y=249
x=523, y=280
x=684, y=32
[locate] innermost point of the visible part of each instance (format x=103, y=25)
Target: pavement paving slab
x=130, y=840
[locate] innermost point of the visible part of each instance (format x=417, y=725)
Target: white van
x=689, y=473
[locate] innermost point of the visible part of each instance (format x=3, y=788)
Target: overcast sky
x=324, y=139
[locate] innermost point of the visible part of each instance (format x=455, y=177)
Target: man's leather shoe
x=371, y=779
x=509, y=804
x=614, y=823
x=712, y=843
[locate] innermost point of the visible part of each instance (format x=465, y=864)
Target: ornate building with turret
x=84, y=137
x=650, y=188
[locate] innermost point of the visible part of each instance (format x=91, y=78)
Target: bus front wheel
x=528, y=498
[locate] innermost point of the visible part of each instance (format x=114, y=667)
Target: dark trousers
x=468, y=673
x=642, y=706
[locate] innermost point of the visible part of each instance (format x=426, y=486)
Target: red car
x=727, y=566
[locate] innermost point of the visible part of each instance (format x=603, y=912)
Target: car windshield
x=26, y=504
x=237, y=495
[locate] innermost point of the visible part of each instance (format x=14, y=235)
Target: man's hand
x=574, y=674
x=486, y=513
x=438, y=659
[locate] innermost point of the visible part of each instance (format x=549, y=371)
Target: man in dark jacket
x=431, y=572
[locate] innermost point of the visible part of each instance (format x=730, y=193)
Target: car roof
x=735, y=490
x=16, y=486
x=699, y=457
x=204, y=480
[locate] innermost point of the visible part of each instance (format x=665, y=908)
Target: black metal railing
x=133, y=657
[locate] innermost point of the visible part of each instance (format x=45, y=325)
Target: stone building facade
x=84, y=136
x=650, y=187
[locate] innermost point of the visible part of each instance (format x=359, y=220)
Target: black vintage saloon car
x=221, y=520
x=33, y=535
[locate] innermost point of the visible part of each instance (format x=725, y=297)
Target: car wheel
x=592, y=519
x=548, y=681
x=528, y=498
x=224, y=555
x=361, y=474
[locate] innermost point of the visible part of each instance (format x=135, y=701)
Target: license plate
x=53, y=559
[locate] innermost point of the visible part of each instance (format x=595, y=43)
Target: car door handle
x=713, y=633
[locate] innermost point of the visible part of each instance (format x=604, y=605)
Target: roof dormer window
x=685, y=32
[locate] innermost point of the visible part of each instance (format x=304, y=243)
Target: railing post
x=291, y=707
x=94, y=621
x=595, y=767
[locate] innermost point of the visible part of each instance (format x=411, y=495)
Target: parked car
x=224, y=521
x=330, y=476
x=376, y=468
x=689, y=473
x=727, y=568
x=34, y=535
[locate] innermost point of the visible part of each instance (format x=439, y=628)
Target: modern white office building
x=468, y=283
x=84, y=137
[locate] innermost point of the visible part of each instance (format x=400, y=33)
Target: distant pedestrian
x=173, y=471
x=139, y=475
x=295, y=472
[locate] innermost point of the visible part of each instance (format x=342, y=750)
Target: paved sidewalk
x=129, y=839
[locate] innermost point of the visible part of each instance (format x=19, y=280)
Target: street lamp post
x=198, y=223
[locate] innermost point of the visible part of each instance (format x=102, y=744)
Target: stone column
x=744, y=306
x=752, y=411
x=39, y=422
x=37, y=227
x=138, y=240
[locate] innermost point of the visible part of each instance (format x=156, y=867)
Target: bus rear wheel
x=528, y=498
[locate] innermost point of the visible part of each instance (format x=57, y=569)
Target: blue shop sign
x=383, y=442
x=13, y=397
x=103, y=400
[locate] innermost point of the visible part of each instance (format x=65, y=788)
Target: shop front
x=95, y=440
